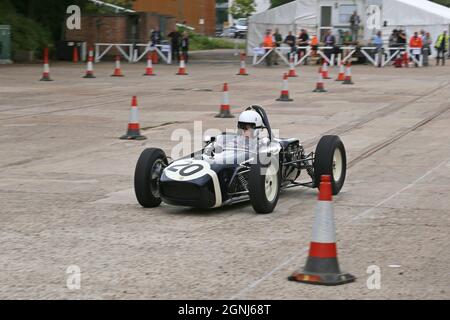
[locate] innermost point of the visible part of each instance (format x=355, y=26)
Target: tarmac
x=67, y=198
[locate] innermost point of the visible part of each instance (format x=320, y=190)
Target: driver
x=249, y=124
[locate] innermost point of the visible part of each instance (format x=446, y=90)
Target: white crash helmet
x=250, y=119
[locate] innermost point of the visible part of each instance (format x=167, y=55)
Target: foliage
x=242, y=8
x=277, y=3
x=199, y=42
x=443, y=2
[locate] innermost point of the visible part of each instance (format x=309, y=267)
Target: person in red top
x=416, y=44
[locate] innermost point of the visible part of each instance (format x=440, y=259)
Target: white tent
x=384, y=15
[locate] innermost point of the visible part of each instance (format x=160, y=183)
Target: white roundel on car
x=190, y=169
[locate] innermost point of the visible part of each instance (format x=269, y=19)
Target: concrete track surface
x=66, y=185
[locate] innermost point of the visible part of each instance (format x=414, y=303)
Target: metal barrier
x=131, y=52
x=261, y=52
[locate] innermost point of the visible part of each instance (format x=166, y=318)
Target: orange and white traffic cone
x=341, y=75
x=285, y=90
x=149, y=68
x=322, y=267
x=117, y=70
x=225, y=106
x=90, y=65
x=292, y=73
x=75, y=57
x=348, y=74
x=134, y=130
x=325, y=70
x=182, y=68
x=242, y=69
x=46, y=72
x=319, y=85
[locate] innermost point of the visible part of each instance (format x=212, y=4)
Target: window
x=346, y=11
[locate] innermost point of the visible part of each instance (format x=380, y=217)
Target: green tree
x=277, y=3
x=242, y=8
x=443, y=2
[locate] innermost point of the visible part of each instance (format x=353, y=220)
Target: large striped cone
x=322, y=267
x=46, y=73
x=285, y=90
x=149, y=69
x=319, y=85
x=117, y=70
x=348, y=74
x=292, y=73
x=242, y=69
x=341, y=75
x=134, y=130
x=225, y=106
x=325, y=70
x=182, y=69
x=90, y=65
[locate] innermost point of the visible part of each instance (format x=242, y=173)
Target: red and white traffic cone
x=322, y=267
x=348, y=74
x=117, y=70
x=46, y=72
x=341, y=75
x=149, y=68
x=90, y=65
x=242, y=69
x=285, y=90
x=225, y=106
x=292, y=73
x=182, y=68
x=319, y=85
x=75, y=57
x=325, y=70
x=134, y=130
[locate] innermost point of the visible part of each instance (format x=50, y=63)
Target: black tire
x=144, y=186
x=324, y=162
x=257, y=190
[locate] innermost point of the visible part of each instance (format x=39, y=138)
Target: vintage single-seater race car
x=237, y=167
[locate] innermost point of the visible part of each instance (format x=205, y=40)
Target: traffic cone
x=117, y=70
x=46, y=73
x=134, y=131
x=242, y=69
x=149, y=69
x=285, y=90
x=322, y=267
x=154, y=56
x=348, y=74
x=90, y=65
x=75, y=54
x=319, y=85
x=182, y=69
x=292, y=72
x=325, y=70
x=225, y=106
x=341, y=75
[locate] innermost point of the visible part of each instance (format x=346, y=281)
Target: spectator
x=155, y=37
x=290, y=41
x=268, y=45
x=175, y=43
x=314, y=46
x=426, y=49
x=278, y=40
x=441, y=46
x=415, y=43
x=346, y=41
x=303, y=41
x=355, y=20
x=401, y=38
x=185, y=46
x=378, y=43
x=330, y=41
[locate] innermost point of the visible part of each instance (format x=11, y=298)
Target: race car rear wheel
x=148, y=171
x=330, y=159
x=264, y=187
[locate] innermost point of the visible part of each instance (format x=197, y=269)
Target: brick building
x=200, y=14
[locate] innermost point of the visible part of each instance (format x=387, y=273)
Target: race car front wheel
x=330, y=159
x=148, y=171
x=264, y=187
